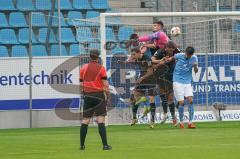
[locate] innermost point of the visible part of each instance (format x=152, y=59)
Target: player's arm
x=81, y=81
x=152, y=37
x=105, y=82
x=195, y=64
x=149, y=72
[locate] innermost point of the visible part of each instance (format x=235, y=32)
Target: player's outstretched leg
x=83, y=132
x=134, y=112
x=165, y=107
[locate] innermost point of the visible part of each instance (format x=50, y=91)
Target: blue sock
x=191, y=112
x=181, y=112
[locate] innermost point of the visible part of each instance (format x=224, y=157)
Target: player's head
x=94, y=54
x=136, y=53
x=157, y=25
x=133, y=36
x=170, y=47
x=189, y=51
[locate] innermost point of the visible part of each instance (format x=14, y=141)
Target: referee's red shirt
x=91, y=76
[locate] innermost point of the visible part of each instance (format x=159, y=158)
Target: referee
x=95, y=88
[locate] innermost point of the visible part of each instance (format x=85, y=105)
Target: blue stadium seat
x=25, y=5
x=94, y=46
x=81, y=4
x=23, y=36
x=38, y=19
x=55, y=19
x=84, y=34
x=17, y=19
x=7, y=36
x=124, y=33
x=19, y=51
x=3, y=51
x=3, y=21
x=109, y=35
x=6, y=5
x=100, y=4
x=92, y=14
x=76, y=49
x=39, y=50
x=42, y=36
x=73, y=17
x=44, y=4
x=64, y=5
x=55, y=50
x=67, y=36
x=237, y=27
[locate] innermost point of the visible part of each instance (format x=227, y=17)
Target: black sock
x=153, y=110
x=172, y=110
x=102, y=132
x=134, y=111
x=83, y=133
x=164, y=103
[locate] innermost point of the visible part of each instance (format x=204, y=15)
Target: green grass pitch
x=218, y=140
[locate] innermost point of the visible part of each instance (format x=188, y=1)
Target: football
x=175, y=31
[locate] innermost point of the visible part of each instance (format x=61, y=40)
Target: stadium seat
x=42, y=36
x=55, y=50
x=55, y=19
x=25, y=5
x=6, y=5
x=3, y=21
x=23, y=36
x=92, y=14
x=67, y=36
x=237, y=27
x=19, y=51
x=17, y=19
x=39, y=50
x=94, y=46
x=109, y=35
x=3, y=51
x=38, y=19
x=84, y=34
x=124, y=33
x=81, y=4
x=73, y=17
x=76, y=49
x=44, y=4
x=7, y=36
x=100, y=4
x=237, y=8
x=64, y=5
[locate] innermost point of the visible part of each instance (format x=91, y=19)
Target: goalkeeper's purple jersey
x=160, y=39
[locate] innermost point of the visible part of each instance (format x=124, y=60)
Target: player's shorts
x=165, y=86
x=147, y=89
x=94, y=104
x=182, y=90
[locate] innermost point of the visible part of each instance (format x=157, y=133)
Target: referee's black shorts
x=94, y=104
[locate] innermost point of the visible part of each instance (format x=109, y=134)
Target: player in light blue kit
x=182, y=78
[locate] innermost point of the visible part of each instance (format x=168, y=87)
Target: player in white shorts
x=182, y=78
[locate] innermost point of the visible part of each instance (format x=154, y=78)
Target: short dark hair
x=190, y=50
x=159, y=23
x=94, y=54
x=136, y=49
x=133, y=36
x=171, y=45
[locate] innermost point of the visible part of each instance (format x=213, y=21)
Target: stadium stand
x=100, y=4
x=67, y=36
x=64, y=5
x=39, y=19
x=23, y=36
x=81, y=4
x=39, y=50
x=84, y=34
x=43, y=5
x=3, y=20
x=7, y=36
x=72, y=15
x=55, y=19
x=43, y=36
x=124, y=33
x=7, y=5
x=25, y=5
x=76, y=49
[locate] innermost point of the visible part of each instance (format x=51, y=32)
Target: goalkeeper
x=164, y=76
x=145, y=84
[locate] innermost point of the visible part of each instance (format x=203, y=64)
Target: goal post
x=216, y=37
